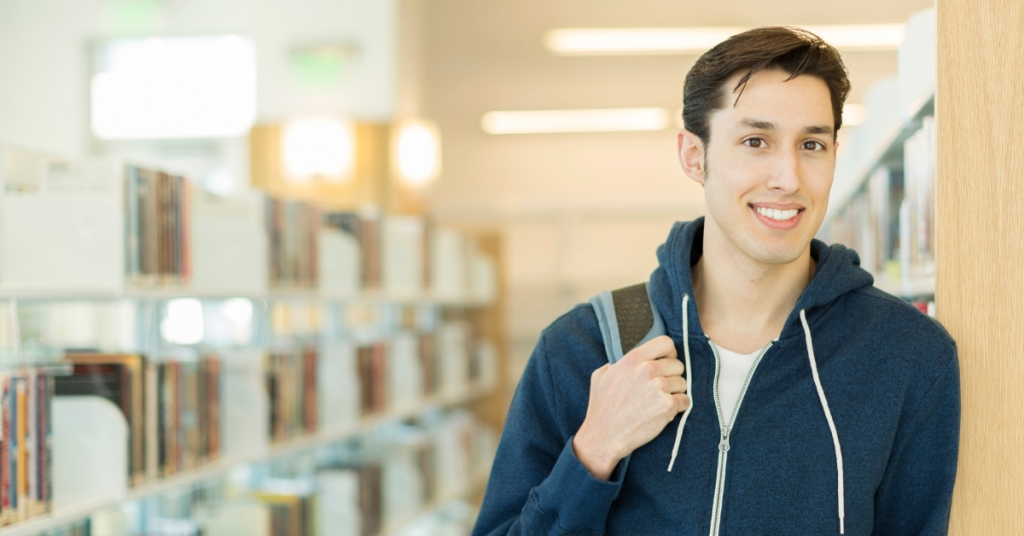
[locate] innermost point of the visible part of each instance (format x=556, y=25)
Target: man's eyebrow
x=757, y=124
x=818, y=129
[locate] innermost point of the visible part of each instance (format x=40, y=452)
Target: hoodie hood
x=838, y=273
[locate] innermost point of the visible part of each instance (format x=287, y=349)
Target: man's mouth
x=776, y=214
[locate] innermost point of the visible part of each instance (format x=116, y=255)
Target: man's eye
x=756, y=143
x=814, y=145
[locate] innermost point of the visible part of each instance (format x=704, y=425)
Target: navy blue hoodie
x=888, y=372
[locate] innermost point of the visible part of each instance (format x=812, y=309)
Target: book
x=26, y=446
x=293, y=229
x=157, y=226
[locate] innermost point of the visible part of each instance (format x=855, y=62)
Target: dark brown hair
x=792, y=50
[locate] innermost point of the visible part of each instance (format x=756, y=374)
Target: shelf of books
x=883, y=201
x=175, y=362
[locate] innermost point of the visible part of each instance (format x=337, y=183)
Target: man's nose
x=786, y=173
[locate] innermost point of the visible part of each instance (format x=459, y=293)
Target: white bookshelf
x=896, y=109
x=884, y=148
x=72, y=514
x=63, y=238
x=910, y=288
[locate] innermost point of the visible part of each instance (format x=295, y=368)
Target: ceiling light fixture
x=318, y=149
x=417, y=152
x=560, y=121
x=696, y=40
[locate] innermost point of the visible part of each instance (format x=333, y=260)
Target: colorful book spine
x=5, y=449
x=21, y=430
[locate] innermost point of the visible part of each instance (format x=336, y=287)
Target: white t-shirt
x=733, y=373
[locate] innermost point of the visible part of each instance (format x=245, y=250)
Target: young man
x=812, y=403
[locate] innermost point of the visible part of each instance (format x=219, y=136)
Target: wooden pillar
x=980, y=251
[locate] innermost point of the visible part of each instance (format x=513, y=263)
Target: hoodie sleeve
x=916, y=491
x=537, y=485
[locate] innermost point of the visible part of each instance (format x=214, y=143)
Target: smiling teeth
x=776, y=214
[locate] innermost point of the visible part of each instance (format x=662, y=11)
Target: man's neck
x=743, y=304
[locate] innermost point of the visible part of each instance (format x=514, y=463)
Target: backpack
x=628, y=318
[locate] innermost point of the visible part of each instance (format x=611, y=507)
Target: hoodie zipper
x=723, y=444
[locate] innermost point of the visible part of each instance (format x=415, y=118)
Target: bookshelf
x=67, y=516
x=216, y=250
x=883, y=198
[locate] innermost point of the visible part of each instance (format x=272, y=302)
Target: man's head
x=763, y=110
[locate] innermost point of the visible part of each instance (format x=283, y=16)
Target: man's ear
x=691, y=155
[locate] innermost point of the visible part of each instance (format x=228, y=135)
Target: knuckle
x=671, y=404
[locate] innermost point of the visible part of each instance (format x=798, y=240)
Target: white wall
x=44, y=62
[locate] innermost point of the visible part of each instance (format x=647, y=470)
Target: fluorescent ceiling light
x=647, y=41
x=417, y=152
x=595, y=120
x=174, y=87
x=319, y=148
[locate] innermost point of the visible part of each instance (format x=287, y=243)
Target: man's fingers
x=669, y=366
x=682, y=402
x=658, y=347
x=674, y=385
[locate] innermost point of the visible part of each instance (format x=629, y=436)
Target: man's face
x=769, y=166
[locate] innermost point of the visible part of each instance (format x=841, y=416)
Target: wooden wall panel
x=980, y=251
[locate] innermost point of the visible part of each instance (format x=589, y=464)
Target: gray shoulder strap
x=628, y=318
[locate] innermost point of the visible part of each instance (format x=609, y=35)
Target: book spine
x=152, y=421
x=5, y=466
x=215, y=407
x=152, y=244
x=175, y=231
x=141, y=215
x=180, y=405
x=309, y=390
x=202, y=411
x=176, y=407
x=44, y=441
x=21, y=487
x=164, y=419
x=166, y=225
x=127, y=405
x=186, y=231
x=31, y=440
x=191, y=411
x=131, y=221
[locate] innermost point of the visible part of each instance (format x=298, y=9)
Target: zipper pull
x=723, y=445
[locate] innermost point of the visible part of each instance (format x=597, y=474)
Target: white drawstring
x=689, y=381
x=828, y=416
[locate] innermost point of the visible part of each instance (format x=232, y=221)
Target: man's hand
x=631, y=402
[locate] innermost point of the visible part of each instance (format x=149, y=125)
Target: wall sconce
x=318, y=149
x=416, y=152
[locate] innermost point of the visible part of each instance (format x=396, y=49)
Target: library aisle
x=275, y=268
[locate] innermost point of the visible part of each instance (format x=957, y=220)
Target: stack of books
x=292, y=391
x=293, y=229
x=157, y=227
x=26, y=445
x=172, y=407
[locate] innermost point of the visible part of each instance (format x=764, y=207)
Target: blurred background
x=275, y=267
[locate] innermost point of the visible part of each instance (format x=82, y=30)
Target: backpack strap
x=628, y=318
